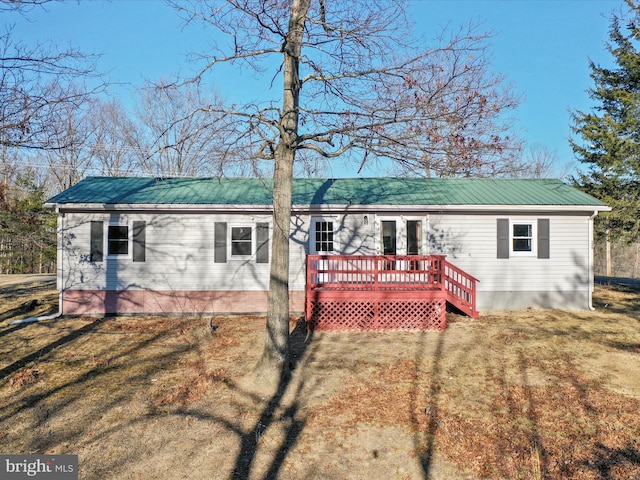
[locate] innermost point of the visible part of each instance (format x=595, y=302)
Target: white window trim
x=230, y=255
x=312, y=234
x=534, y=236
x=129, y=254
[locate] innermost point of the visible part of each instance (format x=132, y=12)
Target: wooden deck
x=367, y=292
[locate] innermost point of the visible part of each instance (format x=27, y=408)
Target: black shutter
x=220, y=242
x=262, y=243
x=139, y=241
x=503, y=238
x=97, y=242
x=543, y=238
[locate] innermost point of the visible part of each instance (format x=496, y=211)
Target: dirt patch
x=531, y=394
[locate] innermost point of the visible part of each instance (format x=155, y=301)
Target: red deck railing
x=364, y=287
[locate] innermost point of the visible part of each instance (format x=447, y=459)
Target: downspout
x=43, y=317
x=60, y=278
x=590, y=262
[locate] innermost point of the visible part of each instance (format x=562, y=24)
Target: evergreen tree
x=27, y=229
x=609, y=145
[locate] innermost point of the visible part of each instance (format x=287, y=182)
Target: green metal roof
x=343, y=191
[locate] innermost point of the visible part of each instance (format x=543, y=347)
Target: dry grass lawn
x=512, y=395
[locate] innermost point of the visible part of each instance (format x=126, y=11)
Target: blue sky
x=542, y=47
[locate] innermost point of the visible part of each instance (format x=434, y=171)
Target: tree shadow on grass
x=70, y=337
x=424, y=441
x=13, y=328
x=57, y=413
x=270, y=415
x=536, y=412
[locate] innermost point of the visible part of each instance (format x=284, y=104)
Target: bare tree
x=175, y=134
x=21, y=6
x=540, y=162
x=9, y=163
x=354, y=82
x=71, y=130
x=170, y=133
x=110, y=127
x=37, y=85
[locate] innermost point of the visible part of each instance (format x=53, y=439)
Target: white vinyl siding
x=352, y=234
x=179, y=256
x=180, y=247
x=469, y=241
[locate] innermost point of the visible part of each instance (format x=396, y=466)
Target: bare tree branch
x=356, y=83
x=38, y=84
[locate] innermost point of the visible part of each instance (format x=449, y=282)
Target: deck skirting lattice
x=345, y=315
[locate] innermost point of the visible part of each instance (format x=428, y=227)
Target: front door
x=414, y=237
x=399, y=237
x=388, y=234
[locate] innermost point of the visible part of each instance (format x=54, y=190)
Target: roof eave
x=206, y=208
x=454, y=208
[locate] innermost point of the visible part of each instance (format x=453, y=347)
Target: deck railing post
x=473, y=295
x=376, y=297
x=376, y=272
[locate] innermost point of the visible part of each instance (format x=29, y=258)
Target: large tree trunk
x=273, y=366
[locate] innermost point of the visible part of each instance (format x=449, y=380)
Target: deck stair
x=375, y=292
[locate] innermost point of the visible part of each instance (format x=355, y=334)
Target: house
x=188, y=245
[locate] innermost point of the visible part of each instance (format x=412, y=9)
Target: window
x=118, y=240
x=324, y=236
x=522, y=237
x=122, y=240
x=241, y=241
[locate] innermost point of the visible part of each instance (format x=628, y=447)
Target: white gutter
x=59, y=312
x=320, y=208
x=590, y=261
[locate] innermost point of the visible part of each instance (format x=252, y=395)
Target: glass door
x=414, y=237
x=388, y=232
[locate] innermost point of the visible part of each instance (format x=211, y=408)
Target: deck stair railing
x=374, y=292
